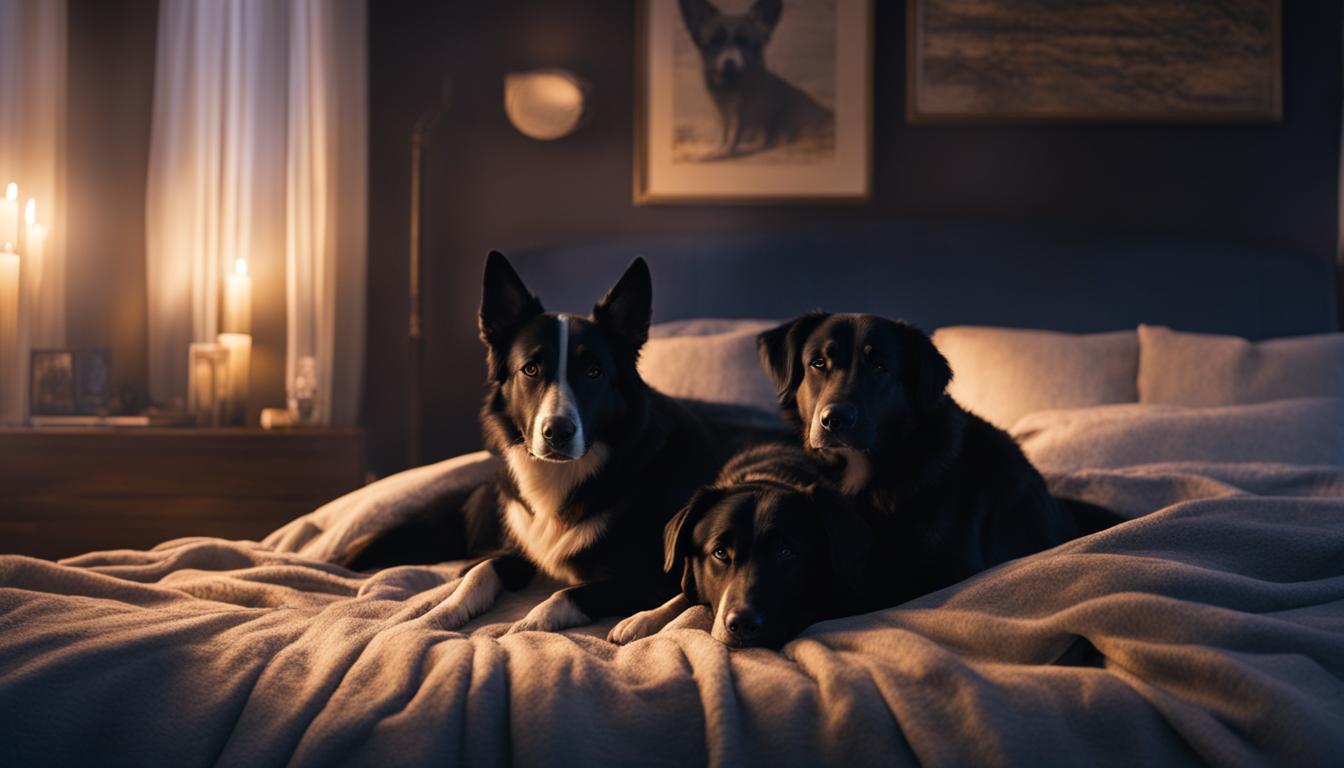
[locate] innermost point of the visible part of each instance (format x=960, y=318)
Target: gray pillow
x=1306, y=431
x=709, y=359
x=1201, y=369
x=1002, y=374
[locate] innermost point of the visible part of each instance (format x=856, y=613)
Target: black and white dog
x=946, y=493
x=595, y=462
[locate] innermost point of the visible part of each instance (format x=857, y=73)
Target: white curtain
x=32, y=153
x=258, y=152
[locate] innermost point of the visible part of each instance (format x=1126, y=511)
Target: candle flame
x=30, y=212
x=12, y=192
x=240, y=266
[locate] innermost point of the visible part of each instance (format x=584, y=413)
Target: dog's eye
x=593, y=372
x=720, y=553
x=819, y=363
x=785, y=553
x=531, y=369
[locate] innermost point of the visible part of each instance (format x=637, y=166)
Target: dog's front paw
x=557, y=612
x=640, y=625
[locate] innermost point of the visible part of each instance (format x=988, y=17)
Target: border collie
x=595, y=461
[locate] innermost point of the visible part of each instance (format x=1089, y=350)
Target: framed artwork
x=753, y=101
x=52, y=387
x=1111, y=60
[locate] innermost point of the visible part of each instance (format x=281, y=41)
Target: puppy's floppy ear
x=695, y=13
x=848, y=536
x=677, y=538
x=781, y=351
x=627, y=308
x=677, y=532
x=767, y=12
x=927, y=372
x=505, y=304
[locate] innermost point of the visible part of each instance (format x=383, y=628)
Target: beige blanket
x=1211, y=628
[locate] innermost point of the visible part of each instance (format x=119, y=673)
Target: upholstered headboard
x=947, y=274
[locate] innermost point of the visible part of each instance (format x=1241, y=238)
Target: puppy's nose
x=558, y=429
x=838, y=417
x=744, y=623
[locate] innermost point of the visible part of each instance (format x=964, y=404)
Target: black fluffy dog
x=946, y=494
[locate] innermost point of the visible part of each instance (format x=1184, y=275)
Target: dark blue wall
x=490, y=187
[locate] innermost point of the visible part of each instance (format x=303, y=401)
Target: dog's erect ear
x=848, y=536
x=766, y=12
x=627, y=308
x=927, y=372
x=781, y=352
x=505, y=302
x=695, y=14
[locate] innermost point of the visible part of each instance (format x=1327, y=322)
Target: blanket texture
x=1209, y=628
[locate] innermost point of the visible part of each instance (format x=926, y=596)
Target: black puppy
x=758, y=109
x=770, y=548
x=595, y=462
x=946, y=494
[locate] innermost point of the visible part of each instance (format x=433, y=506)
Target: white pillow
x=1202, y=369
x=710, y=360
x=1002, y=374
x=1304, y=431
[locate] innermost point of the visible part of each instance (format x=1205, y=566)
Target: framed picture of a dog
x=742, y=101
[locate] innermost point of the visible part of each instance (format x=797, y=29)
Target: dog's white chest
x=544, y=538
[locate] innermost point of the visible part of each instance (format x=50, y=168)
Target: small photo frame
x=93, y=381
x=52, y=382
x=753, y=101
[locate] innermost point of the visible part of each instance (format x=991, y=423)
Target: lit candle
x=239, y=346
x=34, y=246
x=238, y=299
x=11, y=388
x=9, y=218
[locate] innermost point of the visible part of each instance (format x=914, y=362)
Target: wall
x=490, y=187
x=110, y=119
x=108, y=109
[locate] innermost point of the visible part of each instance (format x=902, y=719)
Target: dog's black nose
x=838, y=417
x=744, y=623
x=557, y=429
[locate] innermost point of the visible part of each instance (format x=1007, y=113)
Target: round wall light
x=544, y=104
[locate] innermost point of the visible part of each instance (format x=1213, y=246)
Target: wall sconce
x=546, y=103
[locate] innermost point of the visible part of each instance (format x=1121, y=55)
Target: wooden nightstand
x=67, y=491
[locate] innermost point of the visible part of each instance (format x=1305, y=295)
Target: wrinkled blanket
x=1210, y=627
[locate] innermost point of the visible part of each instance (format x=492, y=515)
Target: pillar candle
x=11, y=386
x=238, y=299
x=239, y=346
x=34, y=248
x=9, y=218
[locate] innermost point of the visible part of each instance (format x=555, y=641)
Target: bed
x=1208, y=627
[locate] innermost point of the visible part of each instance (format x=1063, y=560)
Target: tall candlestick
x=11, y=386
x=9, y=218
x=239, y=346
x=238, y=299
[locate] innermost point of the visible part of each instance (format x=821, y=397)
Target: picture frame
x=713, y=127
x=990, y=61
x=51, y=390
x=93, y=381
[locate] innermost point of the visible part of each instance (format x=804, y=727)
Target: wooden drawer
x=63, y=492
